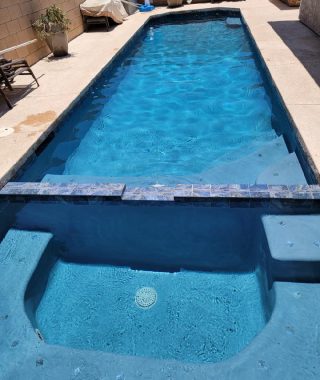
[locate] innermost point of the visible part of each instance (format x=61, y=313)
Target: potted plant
x=52, y=27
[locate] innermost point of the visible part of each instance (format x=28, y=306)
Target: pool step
x=286, y=171
x=259, y=166
x=294, y=243
x=268, y=163
x=20, y=252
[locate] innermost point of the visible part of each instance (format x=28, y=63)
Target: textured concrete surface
x=290, y=50
x=310, y=14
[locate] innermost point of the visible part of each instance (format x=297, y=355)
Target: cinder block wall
x=310, y=14
x=16, y=17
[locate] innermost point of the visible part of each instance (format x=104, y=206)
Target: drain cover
x=6, y=131
x=146, y=297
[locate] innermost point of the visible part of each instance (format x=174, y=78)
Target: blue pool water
x=197, y=317
x=188, y=102
x=211, y=268
x=207, y=265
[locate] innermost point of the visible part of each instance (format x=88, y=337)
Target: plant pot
x=174, y=3
x=292, y=3
x=58, y=43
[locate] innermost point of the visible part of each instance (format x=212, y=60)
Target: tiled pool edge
x=221, y=195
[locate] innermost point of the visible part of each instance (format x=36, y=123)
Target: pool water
x=195, y=316
x=188, y=103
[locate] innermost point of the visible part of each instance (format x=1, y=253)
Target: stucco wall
x=310, y=14
x=16, y=17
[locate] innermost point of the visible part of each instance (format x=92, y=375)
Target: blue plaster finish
x=288, y=347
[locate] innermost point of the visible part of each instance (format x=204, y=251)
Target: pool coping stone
x=182, y=192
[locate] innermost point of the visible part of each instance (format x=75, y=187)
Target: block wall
x=16, y=17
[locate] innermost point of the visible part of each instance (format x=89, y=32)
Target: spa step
x=294, y=244
x=20, y=252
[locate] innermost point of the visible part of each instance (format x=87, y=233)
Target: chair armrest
x=15, y=63
x=19, y=61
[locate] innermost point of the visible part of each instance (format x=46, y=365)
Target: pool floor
x=188, y=104
x=195, y=317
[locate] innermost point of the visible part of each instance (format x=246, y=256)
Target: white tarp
x=107, y=8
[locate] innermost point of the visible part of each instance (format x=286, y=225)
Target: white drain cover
x=146, y=297
x=6, y=131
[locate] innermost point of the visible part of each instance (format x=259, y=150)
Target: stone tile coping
x=161, y=193
x=41, y=189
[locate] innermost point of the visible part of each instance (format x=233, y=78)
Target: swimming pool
x=187, y=101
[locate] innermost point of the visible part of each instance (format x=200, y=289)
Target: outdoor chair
x=5, y=97
x=10, y=69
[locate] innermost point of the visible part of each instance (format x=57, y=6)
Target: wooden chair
x=10, y=69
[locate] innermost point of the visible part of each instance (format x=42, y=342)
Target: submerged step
x=287, y=170
x=20, y=252
x=234, y=22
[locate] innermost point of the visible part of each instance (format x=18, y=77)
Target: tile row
x=186, y=192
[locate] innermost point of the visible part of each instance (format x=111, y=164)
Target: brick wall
x=16, y=17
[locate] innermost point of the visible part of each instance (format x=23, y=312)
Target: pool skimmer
x=146, y=297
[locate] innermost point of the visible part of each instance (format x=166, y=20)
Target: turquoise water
x=197, y=316
x=187, y=104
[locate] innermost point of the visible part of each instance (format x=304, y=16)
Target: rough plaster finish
x=287, y=348
x=310, y=14
x=290, y=50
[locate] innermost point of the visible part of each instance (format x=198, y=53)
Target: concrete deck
x=290, y=50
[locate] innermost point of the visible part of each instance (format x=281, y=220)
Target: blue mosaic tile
x=259, y=191
x=278, y=188
x=299, y=188
x=182, y=191
x=201, y=191
x=316, y=195
x=71, y=189
x=302, y=195
x=259, y=194
x=233, y=195
x=152, y=193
